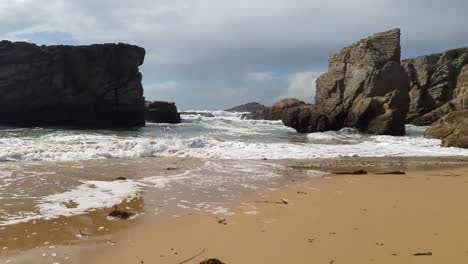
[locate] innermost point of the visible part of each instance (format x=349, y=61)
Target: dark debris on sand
x=356, y=172
x=121, y=214
x=212, y=261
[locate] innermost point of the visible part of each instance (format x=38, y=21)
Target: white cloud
x=302, y=86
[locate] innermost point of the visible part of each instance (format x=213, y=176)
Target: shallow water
x=48, y=173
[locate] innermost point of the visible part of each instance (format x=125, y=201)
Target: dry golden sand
x=341, y=219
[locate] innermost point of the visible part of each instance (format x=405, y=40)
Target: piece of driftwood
x=423, y=254
x=282, y=201
x=356, y=172
x=392, y=173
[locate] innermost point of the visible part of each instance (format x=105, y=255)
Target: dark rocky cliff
x=83, y=86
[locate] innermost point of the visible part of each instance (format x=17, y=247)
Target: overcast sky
x=214, y=54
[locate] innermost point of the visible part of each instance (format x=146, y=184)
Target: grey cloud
x=208, y=46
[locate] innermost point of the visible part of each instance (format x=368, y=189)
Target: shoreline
x=242, y=208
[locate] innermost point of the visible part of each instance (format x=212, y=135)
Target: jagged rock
x=452, y=129
x=276, y=112
x=365, y=88
x=162, y=112
x=433, y=82
x=249, y=107
x=88, y=86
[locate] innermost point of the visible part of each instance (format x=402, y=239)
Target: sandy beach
x=334, y=218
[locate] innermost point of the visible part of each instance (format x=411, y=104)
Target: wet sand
x=371, y=218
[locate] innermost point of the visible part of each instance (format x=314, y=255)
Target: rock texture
x=97, y=85
x=452, y=129
x=365, y=87
x=162, y=112
x=434, y=79
x=249, y=107
x=278, y=111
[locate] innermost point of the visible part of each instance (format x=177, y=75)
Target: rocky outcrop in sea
x=162, y=112
x=452, y=129
x=249, y=107
x=82, y=86
x=365, y=87
x=436, y=85
x=276, y=112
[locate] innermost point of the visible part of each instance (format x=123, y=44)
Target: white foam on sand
x=87, y=197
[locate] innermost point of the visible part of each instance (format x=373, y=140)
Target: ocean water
x=224, y=136
x=48, y=173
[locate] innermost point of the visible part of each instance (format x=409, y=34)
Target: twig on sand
x=282, y=201
x=197, y=255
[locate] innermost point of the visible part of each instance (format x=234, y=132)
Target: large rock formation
x=365, y=87
x=97, y=85
x=278, y=111
x=249, y=107
x=434, y=79
x=162, y=112
x=452, y=129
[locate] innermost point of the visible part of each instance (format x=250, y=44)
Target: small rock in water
x=120, y=214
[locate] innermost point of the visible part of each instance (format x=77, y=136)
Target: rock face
x=249, y=107
x=452, y=129
x=276, y=112
x=162, y=112
x=434, y=80
x=97, y=85
x=365, y=88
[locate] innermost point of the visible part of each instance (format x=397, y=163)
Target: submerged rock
x=249, y=107
x=84, y=86
x=452, y=129
x=365, y=88
x=276, y=112
x=434, y=79
x=162, y=112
